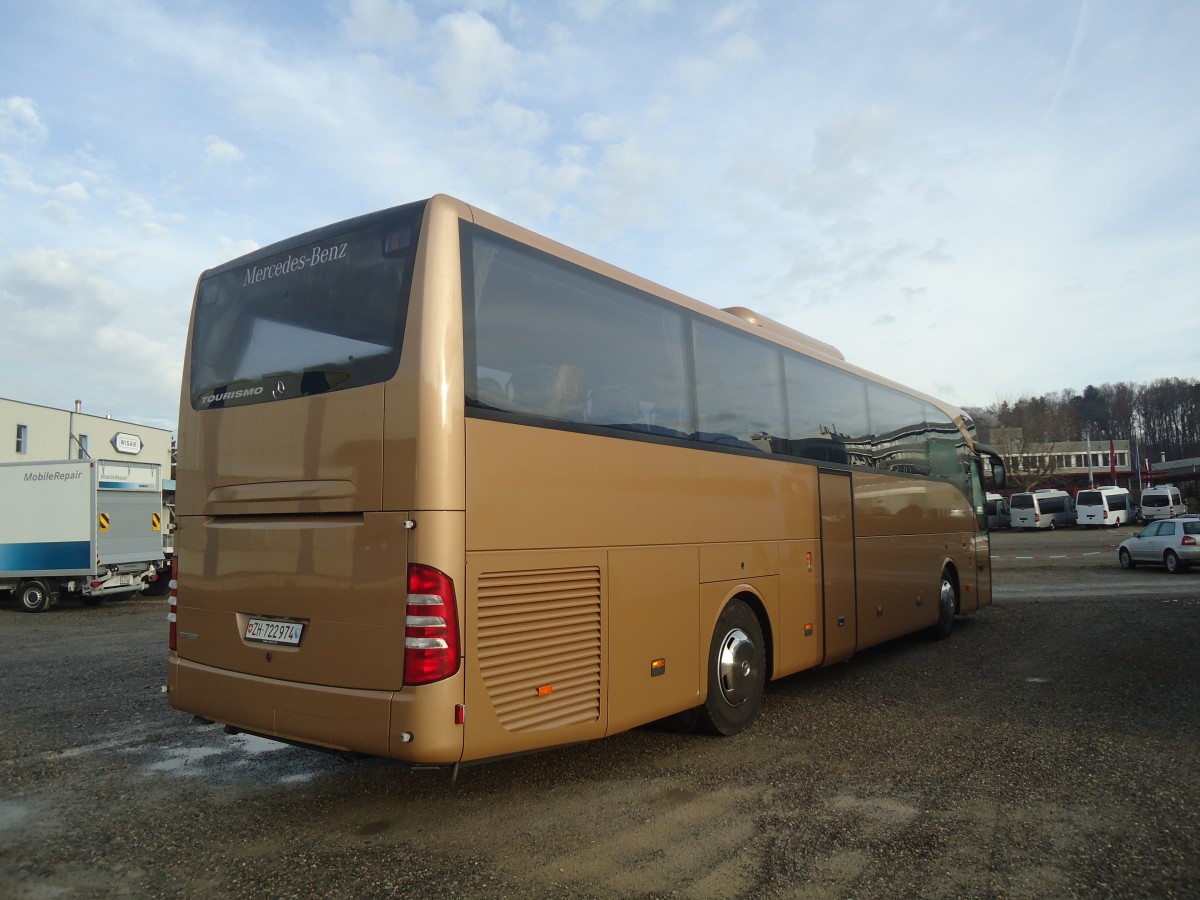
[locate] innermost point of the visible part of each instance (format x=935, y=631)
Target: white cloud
x=73, y=192
x=40, y=285
x=220, y=151
x=232, y=248
x=140, y=213
x=596, y=126
x=852, y=138
x=592, y=11
x=383, y=24
x=62, y=213
x=517, y=123
x=17, y=175
x=733, y=15
x=699, y=72
x=19, y=121
x=475, y=62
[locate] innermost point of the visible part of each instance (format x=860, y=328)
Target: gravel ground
x=1048, y=749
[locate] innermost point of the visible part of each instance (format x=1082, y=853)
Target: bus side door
x=837, y=565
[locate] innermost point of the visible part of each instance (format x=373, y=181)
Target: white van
x=1042, y=509
x=998, y=513
x=1108, y=505
x=1162, y=502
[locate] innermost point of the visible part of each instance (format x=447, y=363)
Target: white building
x=31, y=433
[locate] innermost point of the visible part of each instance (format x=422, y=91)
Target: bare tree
x=1026, y=436
x=1168, y=417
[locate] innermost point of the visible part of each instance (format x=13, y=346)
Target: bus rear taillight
x=172, y=606
x=430, y=627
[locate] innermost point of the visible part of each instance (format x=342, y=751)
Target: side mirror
x=999, y=473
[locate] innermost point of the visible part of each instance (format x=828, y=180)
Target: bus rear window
x=320, y=313
x=1154, y=500
x=1021, y=501
x=1091, y=498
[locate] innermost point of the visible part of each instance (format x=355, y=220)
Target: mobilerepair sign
x=49, y=510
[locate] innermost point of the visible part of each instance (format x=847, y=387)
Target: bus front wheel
x=737, y=668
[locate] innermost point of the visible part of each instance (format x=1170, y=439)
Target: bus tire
x=1174, y=566
x=34, y=595
x=1125, y=558
x=947, y=606
x=737, y=669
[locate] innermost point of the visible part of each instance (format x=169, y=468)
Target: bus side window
x=581, y=347
x=739, y=390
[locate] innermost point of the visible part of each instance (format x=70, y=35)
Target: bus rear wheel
x=947, y=606
x=35, y=596
x=737, y=668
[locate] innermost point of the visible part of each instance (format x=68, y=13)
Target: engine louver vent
x=539, y=646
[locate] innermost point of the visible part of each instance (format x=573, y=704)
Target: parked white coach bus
x=1042, y=509
x=1109, y=505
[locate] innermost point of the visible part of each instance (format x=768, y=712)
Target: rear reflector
x=172, y=606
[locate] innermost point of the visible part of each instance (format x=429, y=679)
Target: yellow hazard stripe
x=104, y=521
x=154, y=521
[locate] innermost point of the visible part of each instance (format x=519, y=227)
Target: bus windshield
x=322, y=313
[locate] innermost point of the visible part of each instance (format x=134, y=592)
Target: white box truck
x=81, y=528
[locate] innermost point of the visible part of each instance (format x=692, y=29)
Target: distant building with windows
x=1066, y=465
x=33, y=433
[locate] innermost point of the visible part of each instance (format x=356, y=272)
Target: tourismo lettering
x=231, y=395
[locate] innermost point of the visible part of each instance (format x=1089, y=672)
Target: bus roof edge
x=767, y=324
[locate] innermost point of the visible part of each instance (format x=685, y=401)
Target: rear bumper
x=376, y=723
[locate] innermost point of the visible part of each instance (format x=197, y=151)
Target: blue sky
x=980, y=200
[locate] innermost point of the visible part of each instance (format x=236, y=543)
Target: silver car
x=1174, y=543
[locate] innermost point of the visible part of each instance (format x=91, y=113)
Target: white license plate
x=268, y=631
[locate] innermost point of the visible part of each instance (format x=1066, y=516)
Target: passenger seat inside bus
x=549, y=391
x=615, y=404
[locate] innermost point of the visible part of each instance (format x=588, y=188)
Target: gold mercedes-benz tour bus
x=448, y=490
